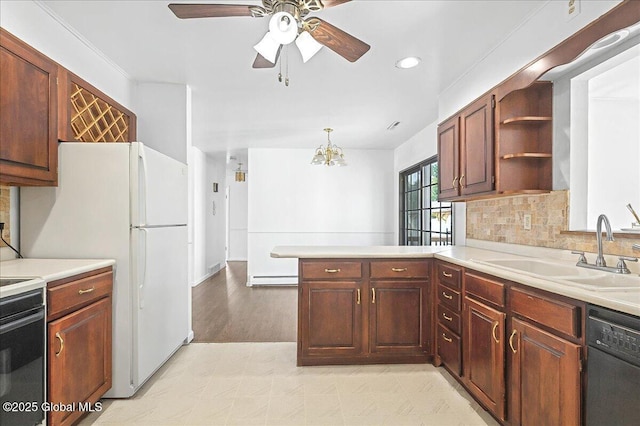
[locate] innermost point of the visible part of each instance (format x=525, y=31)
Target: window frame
x=425, y=236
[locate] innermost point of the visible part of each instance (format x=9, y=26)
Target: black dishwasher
x=613, y=368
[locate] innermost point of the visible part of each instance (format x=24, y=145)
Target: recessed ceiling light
x=408, y=62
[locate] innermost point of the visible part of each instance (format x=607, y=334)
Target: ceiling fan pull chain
x=286, y=80
x=280, y=71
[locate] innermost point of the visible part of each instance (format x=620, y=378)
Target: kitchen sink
x=606, y=282
x=540, y=267
x=588, y=279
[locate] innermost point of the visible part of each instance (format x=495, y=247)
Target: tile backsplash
x=502, y=220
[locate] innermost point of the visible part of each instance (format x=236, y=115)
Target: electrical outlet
x=526, y=222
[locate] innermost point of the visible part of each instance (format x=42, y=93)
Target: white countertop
x=50, y=269
x=327, y=252
x=625, y=301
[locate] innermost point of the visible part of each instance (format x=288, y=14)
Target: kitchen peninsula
x=491, y=318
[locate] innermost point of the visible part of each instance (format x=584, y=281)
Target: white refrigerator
x=127, y=202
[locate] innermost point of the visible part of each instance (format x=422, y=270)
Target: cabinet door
x=28, y=114
x=483, y=347
x=476, y=147
x=448, y=159
x=545, y=378
x=79, y=359
x=330, y=318
x=399, y=317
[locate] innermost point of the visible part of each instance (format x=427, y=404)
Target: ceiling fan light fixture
x=307, y=45
x=408, y=62
x=268, y=47
x=283, y=27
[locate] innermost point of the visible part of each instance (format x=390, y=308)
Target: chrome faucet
x=602, y=218
x=601, y=264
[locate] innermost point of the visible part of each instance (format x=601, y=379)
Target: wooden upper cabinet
x=28, y=114
x=449, y=158
x=465, y=151
x=476, y=147
x=88, y=115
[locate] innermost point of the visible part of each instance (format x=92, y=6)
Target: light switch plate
x=526, y=222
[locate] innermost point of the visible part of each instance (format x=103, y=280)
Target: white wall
x=208, y=228
x=292, y=202
x=162, y=110
x=542, y=31
x=238, y=206
x=215, y=223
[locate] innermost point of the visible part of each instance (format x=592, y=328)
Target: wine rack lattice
x=95, y=120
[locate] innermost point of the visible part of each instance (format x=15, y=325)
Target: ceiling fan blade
x=332, y=3
x=185, y=11
x=262, y=62
x=342, y=43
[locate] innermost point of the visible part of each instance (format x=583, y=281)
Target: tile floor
x=259, y=384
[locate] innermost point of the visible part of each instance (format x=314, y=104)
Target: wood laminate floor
x=226, y=310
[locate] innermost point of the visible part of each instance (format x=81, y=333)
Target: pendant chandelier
x=331, y=155
x=240, y=174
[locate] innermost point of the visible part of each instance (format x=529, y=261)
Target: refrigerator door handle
x=142, y=263
x=142, y=188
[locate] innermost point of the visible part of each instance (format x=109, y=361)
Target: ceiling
x=238, y=107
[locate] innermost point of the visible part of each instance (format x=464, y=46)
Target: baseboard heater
x=288, y=280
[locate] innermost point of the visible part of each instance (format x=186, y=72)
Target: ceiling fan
x=286, y=25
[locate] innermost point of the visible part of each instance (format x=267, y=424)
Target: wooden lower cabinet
x=330, y=319
x=358, y=312
x=396, y=317
x=545, y=377
x=79, y=365
x=484, y=367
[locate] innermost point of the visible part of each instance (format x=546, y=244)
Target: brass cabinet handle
x=358, y=296
x=454, y=184
x=373, y=295
x=399, y=269
x=448, y=339
x=89, y=290
x=446, y=317
x=447, y=296
x=61, y=344
x=332, y=271
x=493, y=332
x=447, y=275
x=511, y=342
x=461, y=179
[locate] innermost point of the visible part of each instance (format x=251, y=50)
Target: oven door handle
x=38, y=316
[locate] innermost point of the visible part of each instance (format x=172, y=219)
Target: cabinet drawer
x=449, y=275
x=331, y=270
x=560, y=316
x=449, y=297
x=484, y=288
x=72, y=295
x=400, y=269
x=449, y=349
x=449, y=318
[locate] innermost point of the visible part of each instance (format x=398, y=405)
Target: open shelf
x=526, y=155
x=526, y=119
